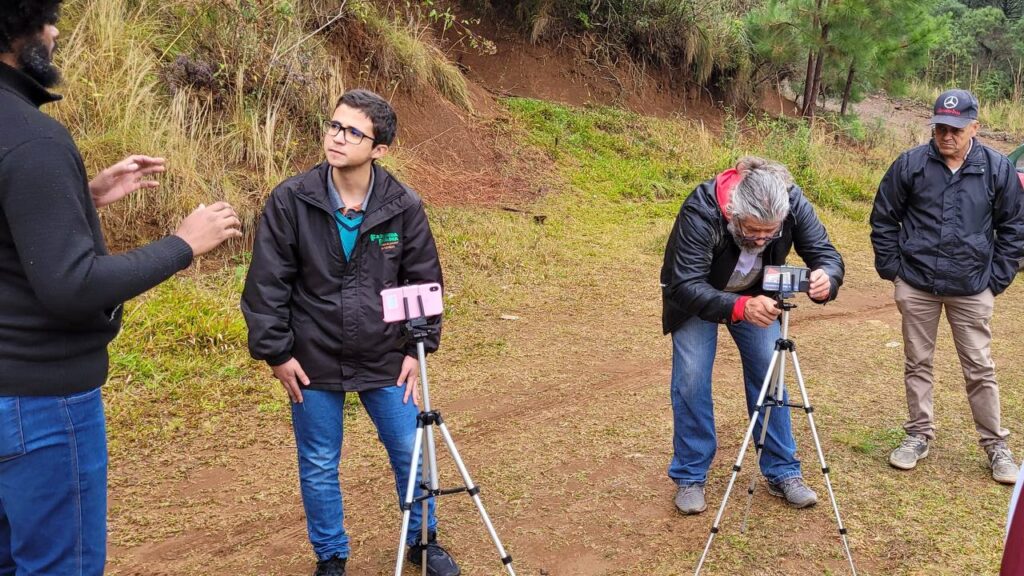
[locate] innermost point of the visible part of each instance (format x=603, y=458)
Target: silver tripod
x=773, y=393
x=418, y=329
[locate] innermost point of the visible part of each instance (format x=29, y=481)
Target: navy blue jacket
x=701, y=255
x=949, y=234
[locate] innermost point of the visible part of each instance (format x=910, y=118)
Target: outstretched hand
x=125, y=177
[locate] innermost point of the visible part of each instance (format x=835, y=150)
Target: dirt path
x=570, y=448
x=563, y=418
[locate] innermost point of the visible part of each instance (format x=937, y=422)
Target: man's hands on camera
x=820, y=287
x=410, y=374
x=209, y=226
x=761, y=311
x=291, y=375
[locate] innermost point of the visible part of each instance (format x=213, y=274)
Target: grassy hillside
x=232, y=93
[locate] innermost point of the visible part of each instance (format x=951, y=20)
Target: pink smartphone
x=395, y=299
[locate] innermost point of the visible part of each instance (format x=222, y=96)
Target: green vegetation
x=614, y=155
x=983, y=51
x=843, y=49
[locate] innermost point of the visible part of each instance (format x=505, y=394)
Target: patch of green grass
x=870, y=440
x=615, y=156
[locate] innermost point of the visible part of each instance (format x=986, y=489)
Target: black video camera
x=786, y=280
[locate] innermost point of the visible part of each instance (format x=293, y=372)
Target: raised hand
x=125, y=177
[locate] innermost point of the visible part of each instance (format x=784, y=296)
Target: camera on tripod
x=786, y=280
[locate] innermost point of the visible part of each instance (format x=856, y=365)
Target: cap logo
x=950, y=102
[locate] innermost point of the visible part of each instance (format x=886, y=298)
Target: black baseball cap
x=957, y=108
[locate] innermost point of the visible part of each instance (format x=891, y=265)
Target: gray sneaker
x=1004, y=469
x=690, y=499
x=912, y=449
x=796, y=493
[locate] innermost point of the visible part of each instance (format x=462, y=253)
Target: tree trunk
x=809, y=95
x=818, y=65
x=847, y=90
x=808, y=81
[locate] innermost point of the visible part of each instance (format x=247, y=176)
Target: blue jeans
x=694, y=443
x=53, y=485
x=318, y=424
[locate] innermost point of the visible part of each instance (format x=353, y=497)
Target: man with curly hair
x=60, y=305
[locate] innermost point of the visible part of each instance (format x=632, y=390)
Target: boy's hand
x=290, y=374
x=411, y=374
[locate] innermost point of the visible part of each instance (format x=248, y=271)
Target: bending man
x=727, y=231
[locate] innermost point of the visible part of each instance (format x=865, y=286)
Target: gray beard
x=748, y=247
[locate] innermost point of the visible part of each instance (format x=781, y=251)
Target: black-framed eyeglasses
x=761, y=238
x=353, y=136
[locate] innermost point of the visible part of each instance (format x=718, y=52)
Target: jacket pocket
x=12, y=441
x=979, y=252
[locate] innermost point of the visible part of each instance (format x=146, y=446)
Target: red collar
x=725, y=183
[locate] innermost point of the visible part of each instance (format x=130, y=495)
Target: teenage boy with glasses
x=329, y=241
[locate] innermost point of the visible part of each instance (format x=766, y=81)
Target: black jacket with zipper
x=303, y=300
x=701, y=255
x=949, y=234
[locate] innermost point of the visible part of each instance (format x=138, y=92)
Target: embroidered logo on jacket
x=387, y=241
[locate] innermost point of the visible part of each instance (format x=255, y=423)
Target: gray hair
x=763, y=192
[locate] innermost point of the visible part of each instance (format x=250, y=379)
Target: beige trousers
x=968, y=318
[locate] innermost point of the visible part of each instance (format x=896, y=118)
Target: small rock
x=892, y=345
x=509, y=317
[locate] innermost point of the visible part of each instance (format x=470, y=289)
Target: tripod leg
x=410, y=493
x=474, y=493
x=739, y=458
x=427, y=473
x=821, y=458
x=777, y=392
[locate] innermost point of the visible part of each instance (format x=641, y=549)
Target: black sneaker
x=333, y=566
x=439, y=561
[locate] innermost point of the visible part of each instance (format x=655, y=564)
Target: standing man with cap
x=948, y=229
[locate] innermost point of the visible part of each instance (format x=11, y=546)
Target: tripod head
x=782, y=304
x=419, y=328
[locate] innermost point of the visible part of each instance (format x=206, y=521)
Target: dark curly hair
x=21, y=18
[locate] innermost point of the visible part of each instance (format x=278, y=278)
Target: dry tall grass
x=230, y=93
